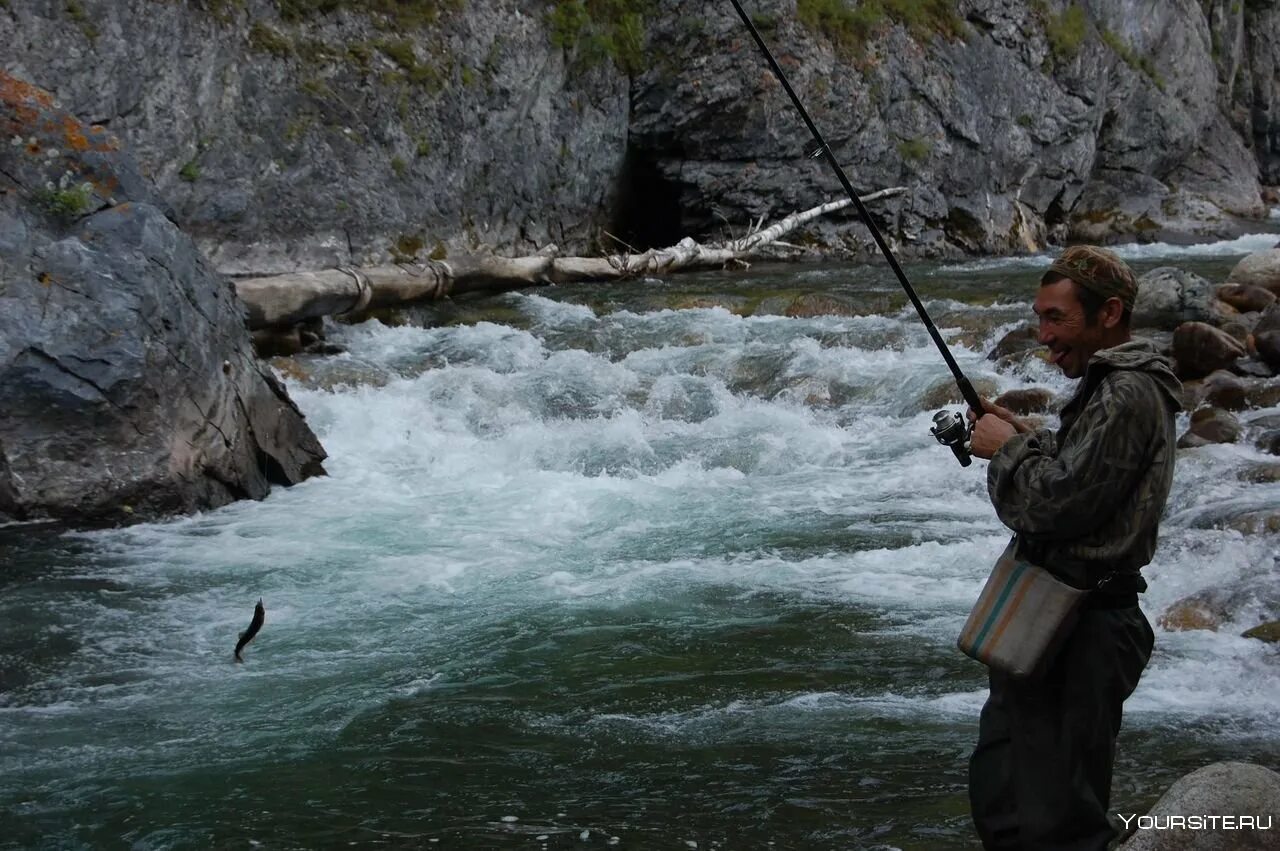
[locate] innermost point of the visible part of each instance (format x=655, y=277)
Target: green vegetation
x=360, y=53
x=66, y=204
x=1065, y=31
x=1138, y=62
x=566, y=22
x=424, y=148
x=595, y=30
x=263, y=39
x=848, y=29
x=1026, y=121
x=298, y=127
x=315, y=51
x=401, y=52
x=764, y=23
x=399, y=166
x=222, y=11
x=77, y=13
x=395, y=14
x=406, y=248
x=914, y=150
x=190, y=172
x=851, y=28
x=316, y=87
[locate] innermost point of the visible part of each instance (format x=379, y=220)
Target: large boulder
x=1268, y=321
x=129, y=384
x=1028, y=400
x=1200, y=349
x=1259, y=269
x=1168, y=297
x=1224, y=390
x=1268, y=346
x=1241, y=796
x=1210, y=425
x=1020, y=339
x=1246, y=298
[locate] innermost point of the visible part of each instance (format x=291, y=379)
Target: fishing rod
x=949, y=427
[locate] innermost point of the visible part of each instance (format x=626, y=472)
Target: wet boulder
x=1269, y=441
x=1246, y=298
x=1257, y=522
x=1268, y=632
x=1206, y=610
x=1234, y=790
x=1259, y=269
x=810, y=305
x=1267, y=345
x=1260, y=473
x=945, y=392
x=1222, y=389
x=1269, y=320
x=1210, y=425
x=1200, y=348
x=1021, y=339
x=1031, y=400
x=1168, y=297
x=130, y=385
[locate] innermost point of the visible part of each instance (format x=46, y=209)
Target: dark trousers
x=1040, y=776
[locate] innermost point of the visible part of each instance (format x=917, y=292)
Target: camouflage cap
x=1098, y=270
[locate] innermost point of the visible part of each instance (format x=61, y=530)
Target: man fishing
x=1085, y=504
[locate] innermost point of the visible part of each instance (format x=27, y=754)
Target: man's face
x=1071, y=340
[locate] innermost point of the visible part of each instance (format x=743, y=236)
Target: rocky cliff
x=128, y=386
x=303, y=133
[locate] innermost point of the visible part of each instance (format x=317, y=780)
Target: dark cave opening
x=647, y=213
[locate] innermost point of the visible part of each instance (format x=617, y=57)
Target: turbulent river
x=594, y=566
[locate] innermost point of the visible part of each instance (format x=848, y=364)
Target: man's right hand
x=1003, y=413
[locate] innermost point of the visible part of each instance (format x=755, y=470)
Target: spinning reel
x=950, y=429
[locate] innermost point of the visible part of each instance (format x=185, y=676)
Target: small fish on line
x=259, y=615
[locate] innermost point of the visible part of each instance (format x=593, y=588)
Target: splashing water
x=610, y=569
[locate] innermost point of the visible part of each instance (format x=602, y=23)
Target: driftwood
x=285, y=300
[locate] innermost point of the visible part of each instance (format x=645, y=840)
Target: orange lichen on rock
x=108, y=145
x=13, y=91
x=73, y=134
x=18, y=96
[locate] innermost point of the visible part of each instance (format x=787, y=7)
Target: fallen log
x=286, y=300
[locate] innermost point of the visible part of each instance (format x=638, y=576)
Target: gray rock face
x=1007, y=137
x=130, y=389
x=1222, y=789
x=328, y=139
x=345, y=137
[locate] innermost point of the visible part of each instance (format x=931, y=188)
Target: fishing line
x=966, y=389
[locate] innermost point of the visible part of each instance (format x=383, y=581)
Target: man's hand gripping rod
x=948, y=426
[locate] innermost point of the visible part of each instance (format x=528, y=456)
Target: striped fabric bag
x=1021, y=616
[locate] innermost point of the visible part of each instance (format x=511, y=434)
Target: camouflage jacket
x=1088, y=500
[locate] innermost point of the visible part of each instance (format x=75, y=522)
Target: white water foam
x=497, y=475
x=1133, y=251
